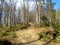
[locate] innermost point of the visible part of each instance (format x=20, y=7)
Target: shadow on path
x=28, y=42
x=48, y=42
x=5, y=42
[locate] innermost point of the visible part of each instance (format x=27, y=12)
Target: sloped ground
x=26, y=35
x=30, y=36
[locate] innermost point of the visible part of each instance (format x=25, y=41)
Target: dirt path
x=30, y=35
x=27, y=35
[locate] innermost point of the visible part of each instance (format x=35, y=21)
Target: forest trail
x=31, y=35
x=27, y=35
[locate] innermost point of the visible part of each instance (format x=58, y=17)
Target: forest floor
x=30, y=36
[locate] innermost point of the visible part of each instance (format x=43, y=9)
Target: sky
x=57, y=5
x=20, y=2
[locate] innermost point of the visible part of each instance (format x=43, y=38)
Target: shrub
x=56, y=27
x=13, y=34
x=3, y=33
x=18, y=26
x=5, y=28
x=8, y=35
x=57, y=40
x=40, y=36
x=13, y=28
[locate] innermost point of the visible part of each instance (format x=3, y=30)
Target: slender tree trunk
x=2, y=1
x=19, y=16
x=24, y=11
x=37, y=14
x=27, y=12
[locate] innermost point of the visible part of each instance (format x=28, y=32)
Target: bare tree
x=2, y=11
x=6, y=14
x=19, y=16
x=50, y=12
x=27, y=12
x=37, y=13
x=12, y=10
